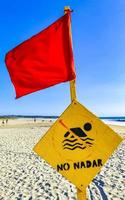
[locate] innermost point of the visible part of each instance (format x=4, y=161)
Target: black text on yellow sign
x=78, y=145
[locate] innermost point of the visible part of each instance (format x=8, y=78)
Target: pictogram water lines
x=73, y=144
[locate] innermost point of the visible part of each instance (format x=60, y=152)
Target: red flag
x=43, y=60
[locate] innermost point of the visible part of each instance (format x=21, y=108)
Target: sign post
x=78, y=144
x=81, y=195
x=73, y=82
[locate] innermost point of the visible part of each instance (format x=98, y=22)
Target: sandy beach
x=25, y=176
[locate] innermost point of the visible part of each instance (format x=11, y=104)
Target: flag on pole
x=43, y=60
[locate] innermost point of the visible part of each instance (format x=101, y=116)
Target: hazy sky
x=98, y=29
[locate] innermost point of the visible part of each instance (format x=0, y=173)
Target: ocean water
x=114, y=120
x=108, y=120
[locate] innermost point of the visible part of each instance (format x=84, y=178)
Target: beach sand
x=25, y=176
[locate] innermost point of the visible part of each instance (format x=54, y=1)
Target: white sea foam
x=111, y=122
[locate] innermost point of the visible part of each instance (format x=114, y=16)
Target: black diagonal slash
x=68, y=129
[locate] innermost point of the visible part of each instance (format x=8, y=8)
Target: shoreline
x=40, y=122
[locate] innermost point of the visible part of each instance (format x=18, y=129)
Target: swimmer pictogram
x=76, y=138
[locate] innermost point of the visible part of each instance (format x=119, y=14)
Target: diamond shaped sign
x=78, y=145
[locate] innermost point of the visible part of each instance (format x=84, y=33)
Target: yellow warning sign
x=78, y=145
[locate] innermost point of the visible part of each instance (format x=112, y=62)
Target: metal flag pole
x=73, y=82
x=80, y=194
